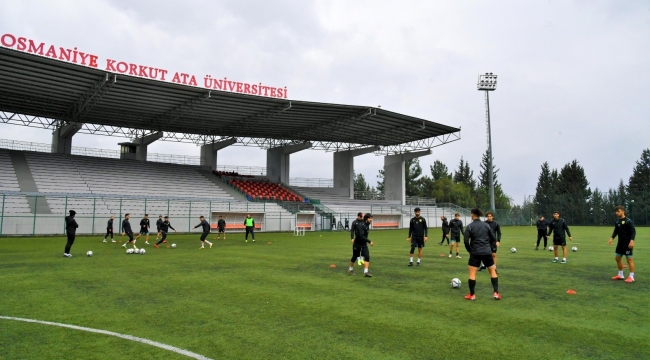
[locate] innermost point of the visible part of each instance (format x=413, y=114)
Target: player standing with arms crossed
x=479, y=242
x=558, y=227
x=456, y=227
x=542, y=228
x=206, y=231
x=418, y=232
x=626, y=232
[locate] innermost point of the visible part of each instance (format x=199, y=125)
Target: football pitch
x=279, y=298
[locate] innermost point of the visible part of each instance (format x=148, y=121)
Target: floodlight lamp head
x=487, y=82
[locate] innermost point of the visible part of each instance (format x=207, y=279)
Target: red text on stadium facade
x=122, y=67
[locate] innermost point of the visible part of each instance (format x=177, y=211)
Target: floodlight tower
x=487, y=83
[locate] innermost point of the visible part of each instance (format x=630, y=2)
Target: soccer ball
x=513, y=250
x=455, y=283
x=129, y=251
x=550, y=248
x=90, y=253
x=142, y=251
x=173, y=246
x=574, y=249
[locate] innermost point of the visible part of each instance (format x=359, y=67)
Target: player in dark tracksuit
x=71, y=231
x=456, y=227
x=126, y=229
x=496, y=229
x=479, y=242
x=445, y=230
x=158, y=224
x=164, y=229
x=221, y=228
x=144, y=229
x=206, y=231
x=418, y=233
x=624, y=229
x=558, y=227
x=360, y=247
x=109, y=229
x=542, y=228
x=353, y=230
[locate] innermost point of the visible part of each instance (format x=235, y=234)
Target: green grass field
x=281, y=300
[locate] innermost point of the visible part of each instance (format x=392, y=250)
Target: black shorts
x=144, y=231
x=417, y=241
x=222, y=230
x=455, y=237
x=360, y=251
x=204, y=235
x=476, y=260
x=158, y=229
x=164, y=235
x=624, y=250
x=494, y=249
x=559, y=242
x=130, y=235
x=109, y=230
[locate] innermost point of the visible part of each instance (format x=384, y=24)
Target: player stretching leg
x=206, y=231
x=626, y=232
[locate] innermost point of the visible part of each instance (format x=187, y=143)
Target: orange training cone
x=571, y=292
x=332, y=266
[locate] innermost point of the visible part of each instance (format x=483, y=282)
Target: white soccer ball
x=129, y=251
x=574, y=249
x=513, y=250
x=455, y=283
x=142, y=251
x=550, y=248
x=173, y=246
x=90, y=253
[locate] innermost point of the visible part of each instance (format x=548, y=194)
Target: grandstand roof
x=44, y=92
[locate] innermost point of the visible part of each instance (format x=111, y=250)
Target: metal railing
x=418, y=200
x=312, y=182
x=369, y=195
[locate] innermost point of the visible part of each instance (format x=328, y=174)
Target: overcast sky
x=574, y=76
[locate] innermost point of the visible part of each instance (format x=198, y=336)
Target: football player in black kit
x=418, y=233
x=479, y=242
x=445, y=230
x=353, y=230
x=109, y=229
x=626, y=232
x=221, y=228
x=558, y=227
x=542, y=227
x=496, y=229
x=206, y=231
x=126, y=229
x=71, y=231
x=456, y=227
x=164, y=229
x=360, y=246
x=144, y=229
x=158, y=224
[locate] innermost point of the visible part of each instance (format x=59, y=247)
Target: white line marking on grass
x=123, y=336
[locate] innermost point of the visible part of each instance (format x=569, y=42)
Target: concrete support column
x=278, y=161
x=62, y=137
x=143, y=142
x=395, y=175
x=344, y=169
x=209, y=153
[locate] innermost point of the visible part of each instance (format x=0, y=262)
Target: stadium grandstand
x=41, y=182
